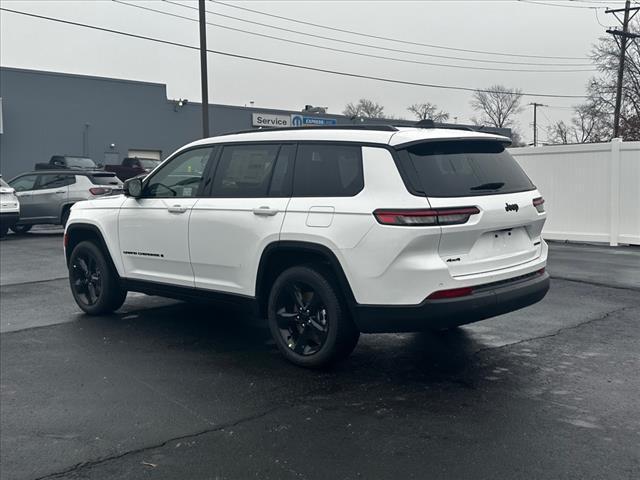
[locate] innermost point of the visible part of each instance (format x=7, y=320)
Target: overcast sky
x=501, y=26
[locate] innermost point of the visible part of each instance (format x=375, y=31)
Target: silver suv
x=46, y=197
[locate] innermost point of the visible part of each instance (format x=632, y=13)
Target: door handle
x=265, y=211
x=177, y=209
x=59, y=191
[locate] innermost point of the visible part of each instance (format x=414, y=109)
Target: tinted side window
x=55, y=181
x=181, y=177
x=245, y=170
x=24, y=183
x=325, y=170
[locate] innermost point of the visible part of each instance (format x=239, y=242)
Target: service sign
x=270, y=120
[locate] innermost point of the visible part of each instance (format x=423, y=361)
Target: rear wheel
x=3, y=230
x=20, y=229
x=94, y=283
x=308, y=320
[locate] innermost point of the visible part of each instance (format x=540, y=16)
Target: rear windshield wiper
x=488, y=186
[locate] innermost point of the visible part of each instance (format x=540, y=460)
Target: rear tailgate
x=500, y=236
x=481, y=174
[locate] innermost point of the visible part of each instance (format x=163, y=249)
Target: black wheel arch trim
x=88, y=227
x=304, y=247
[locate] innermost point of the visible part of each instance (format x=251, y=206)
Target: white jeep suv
x=327, y=232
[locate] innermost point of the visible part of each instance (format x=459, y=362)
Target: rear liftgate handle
x=265, y=211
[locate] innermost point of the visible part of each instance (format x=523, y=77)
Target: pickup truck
x=132, y=167
x=58, y=162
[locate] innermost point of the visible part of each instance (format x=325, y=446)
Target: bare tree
x=593, y=120
x=559, y=132
x=498, y=105
x=589, y=124
x=428, y=111
x=364, y=108
x=601, y=89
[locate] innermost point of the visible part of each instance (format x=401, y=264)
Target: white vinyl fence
x=591, y=191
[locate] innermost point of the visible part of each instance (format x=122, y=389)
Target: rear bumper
x=485, y=302
x=9, y=219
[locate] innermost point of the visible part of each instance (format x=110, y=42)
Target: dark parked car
x=132, y=167
x=58, y=162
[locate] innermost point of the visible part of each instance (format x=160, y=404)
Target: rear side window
x=245, y=170
x=55, y=181
x=463, y=169
x=326, y=170
x=104, y=179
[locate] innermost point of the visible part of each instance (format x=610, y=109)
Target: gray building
x=107, y=119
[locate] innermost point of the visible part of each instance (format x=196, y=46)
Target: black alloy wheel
x=86, y=278
x=302, y=318
x=308, y=318
x=95, y=284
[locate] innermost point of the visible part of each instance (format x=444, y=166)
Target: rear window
x=80, y=162
x=463, y=169
x=104, y=179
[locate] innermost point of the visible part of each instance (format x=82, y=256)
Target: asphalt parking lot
x=170, y=390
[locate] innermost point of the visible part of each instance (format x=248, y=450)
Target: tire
x=3, y=231
x=94, y=282
x=65, y=217
x=308, y=319
x=21, y=229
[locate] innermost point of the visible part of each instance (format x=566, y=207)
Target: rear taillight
x=99, y=190
x=451, y=293
x=425, y=217
x=539, y=204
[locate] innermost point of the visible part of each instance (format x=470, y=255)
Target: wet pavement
x=168, y=390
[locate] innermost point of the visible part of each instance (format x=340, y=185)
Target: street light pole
x=203, y=69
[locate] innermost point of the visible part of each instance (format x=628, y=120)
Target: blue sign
x=300, y=120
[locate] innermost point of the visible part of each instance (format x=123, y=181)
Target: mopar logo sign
x=300, y=120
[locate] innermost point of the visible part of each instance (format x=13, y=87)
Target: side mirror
x=133, y=187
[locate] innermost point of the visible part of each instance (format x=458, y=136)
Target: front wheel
x=308, y=320
x=94, y=283
x=20, y=229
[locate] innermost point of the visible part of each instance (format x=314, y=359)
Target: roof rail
x=380, y=128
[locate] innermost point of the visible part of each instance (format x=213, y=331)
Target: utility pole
x=203, y=69
x=535, y=122
x=624, y=35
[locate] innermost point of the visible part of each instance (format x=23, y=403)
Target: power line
x=380, y=37
x=349, y=42
x=560, y=5
x=274, y=62
x=361, y=54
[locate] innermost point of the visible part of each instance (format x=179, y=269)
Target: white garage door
x=155, y=154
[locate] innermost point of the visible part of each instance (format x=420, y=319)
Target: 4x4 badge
x=511, y=207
